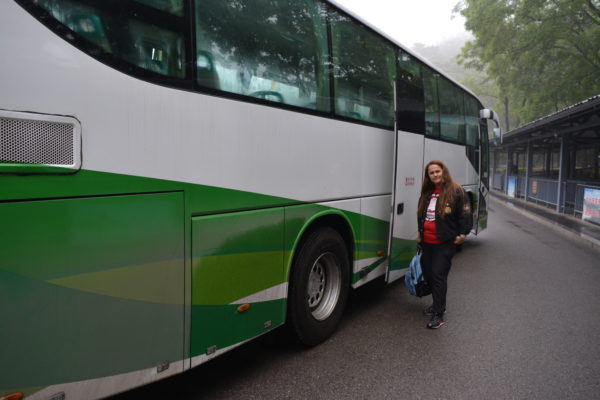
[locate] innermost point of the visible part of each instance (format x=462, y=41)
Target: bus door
x=407, y=187
x=480, y=209
x=407, y=177
x=480, y=222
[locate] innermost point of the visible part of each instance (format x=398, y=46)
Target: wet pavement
x=584, y=230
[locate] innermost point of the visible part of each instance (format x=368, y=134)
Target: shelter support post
x=528, y=161
x=508, y=170
x=562, y=175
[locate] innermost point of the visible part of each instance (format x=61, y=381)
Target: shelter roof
x=580, y=121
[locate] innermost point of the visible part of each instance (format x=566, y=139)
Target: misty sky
x=410, y=21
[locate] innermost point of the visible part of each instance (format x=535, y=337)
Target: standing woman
x=445, y=220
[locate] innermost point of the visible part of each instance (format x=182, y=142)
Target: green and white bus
x=178, y=177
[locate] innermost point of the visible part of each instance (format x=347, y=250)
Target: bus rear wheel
x=319, y=285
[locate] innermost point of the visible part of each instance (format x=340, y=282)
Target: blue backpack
x=414, y=281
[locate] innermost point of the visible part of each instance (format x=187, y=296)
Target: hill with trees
x=543, y=55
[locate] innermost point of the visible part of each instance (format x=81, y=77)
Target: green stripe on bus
x=404, y=250
x=117, y=282
x=202, y=199
x=48, y=325
x=222, y=326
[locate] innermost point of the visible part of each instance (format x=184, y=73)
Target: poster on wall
x=534, y=187
x=512, y=183
x=591, y=205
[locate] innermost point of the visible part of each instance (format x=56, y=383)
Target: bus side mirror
x=486, y=113
x=497, y=136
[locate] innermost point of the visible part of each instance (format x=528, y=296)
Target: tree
x=543, y=55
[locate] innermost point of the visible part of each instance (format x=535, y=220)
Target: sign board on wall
x=512, y=183
x=534, y=185
x=591, y=205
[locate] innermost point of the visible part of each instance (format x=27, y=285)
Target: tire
x=319, y=285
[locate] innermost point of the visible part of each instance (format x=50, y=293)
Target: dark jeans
x=436, y=261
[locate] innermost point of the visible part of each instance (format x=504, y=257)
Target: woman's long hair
x=448, y=188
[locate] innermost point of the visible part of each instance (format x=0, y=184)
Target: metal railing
x=575, y=192
x=498, y=181
x=545, y=190
x=501, y=184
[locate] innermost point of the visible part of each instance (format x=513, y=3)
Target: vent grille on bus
x=27, y=138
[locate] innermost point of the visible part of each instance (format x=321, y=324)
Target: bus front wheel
x=319, y=285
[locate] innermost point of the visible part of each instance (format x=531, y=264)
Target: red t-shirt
x=429, y=229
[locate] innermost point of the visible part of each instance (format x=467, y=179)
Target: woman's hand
x=460, y=239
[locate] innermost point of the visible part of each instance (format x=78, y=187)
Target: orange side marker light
x=240, y=309
x=13, y=396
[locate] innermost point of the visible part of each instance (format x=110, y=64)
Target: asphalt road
x=523, y=322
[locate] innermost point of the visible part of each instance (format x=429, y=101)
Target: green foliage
x=543, y=54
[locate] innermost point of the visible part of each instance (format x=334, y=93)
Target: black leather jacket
x=458, y=221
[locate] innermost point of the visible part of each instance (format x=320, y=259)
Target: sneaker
x=429, y=311
x=435, y=322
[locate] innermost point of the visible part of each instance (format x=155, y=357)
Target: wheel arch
x=332, y=219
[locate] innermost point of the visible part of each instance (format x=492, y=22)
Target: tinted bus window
x=484, y=150
x=452, y=125
x=472, y=131
x=364, y=71
x=432, y=110
x=174, y=7
x=150, y=37
x=471, y=121
x=271, y=50
x=410, y=103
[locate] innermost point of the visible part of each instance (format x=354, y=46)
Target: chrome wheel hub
x=324, y=286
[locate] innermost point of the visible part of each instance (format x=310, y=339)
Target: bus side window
x=484, y=150
x=411, y=107
x=432, y=106
x=472, y=131
x=84, y=20
x=141, y=39
x=273, y=51
x=174, y=7
x=156, y=49
x=90, y=27
x=206, y=70
x=451, y=111
x=364, y=72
